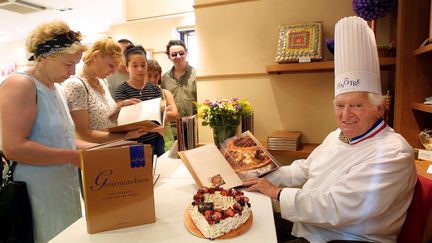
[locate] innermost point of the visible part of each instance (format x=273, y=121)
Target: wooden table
x=422, y=166
x=173, y=193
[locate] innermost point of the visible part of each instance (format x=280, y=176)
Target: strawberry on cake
x=216, y=211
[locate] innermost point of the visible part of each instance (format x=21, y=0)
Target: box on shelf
x=284, y=140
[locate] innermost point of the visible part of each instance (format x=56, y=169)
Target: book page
x=146, y=115
x=210, y=168
x=114, y=143
x=247, y=156
x=142, y=111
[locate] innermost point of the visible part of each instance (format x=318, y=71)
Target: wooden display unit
x=324, y=66
x=303, y=152
x=413, y=80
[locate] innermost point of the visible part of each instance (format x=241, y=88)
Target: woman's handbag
x=16, y=223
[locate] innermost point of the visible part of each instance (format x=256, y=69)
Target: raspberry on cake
x=216, y=211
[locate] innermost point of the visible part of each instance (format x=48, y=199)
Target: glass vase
x=222, y=133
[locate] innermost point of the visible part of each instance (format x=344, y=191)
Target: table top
x=422, y=167
x=173, y=193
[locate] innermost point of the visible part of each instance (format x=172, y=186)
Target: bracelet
x=279, y=193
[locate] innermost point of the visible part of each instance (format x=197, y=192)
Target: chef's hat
x=355, y=57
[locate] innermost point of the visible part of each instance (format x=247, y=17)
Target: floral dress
x=81, y=96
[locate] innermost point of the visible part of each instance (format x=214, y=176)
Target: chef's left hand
x=262, y=185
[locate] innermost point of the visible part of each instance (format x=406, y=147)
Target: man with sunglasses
x=180, y=80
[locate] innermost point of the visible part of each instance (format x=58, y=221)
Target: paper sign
x=425, y=154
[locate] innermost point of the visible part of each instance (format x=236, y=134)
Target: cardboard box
x=118, y=187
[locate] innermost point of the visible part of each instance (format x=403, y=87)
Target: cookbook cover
x=118, y=187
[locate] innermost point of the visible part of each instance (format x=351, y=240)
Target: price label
x=305, y=59
x=425, y=154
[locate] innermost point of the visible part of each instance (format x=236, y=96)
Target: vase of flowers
x=223, y=116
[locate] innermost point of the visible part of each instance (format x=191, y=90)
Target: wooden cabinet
x=413, y=79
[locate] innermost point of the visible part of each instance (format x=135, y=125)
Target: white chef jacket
x=349, y=192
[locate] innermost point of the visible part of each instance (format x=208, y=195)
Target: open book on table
x=147, y=115
x=236, y=160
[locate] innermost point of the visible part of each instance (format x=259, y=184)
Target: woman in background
x=138, y=87
x=88, y=96
x=38, y=132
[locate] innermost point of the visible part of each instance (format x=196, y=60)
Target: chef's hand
x=264, y=186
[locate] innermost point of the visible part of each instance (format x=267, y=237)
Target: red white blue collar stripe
x=374, y=130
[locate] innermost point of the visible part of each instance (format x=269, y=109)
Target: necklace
x=92, y=81
x=141, y=90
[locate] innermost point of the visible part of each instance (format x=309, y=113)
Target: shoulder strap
x=85, y=86
x=32, y=79
x=163, y=94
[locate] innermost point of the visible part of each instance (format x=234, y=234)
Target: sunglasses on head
x=73, y=36
x=174, y=54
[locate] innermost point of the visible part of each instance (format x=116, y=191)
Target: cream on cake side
x=216, y=211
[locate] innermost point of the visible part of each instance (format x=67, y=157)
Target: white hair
x=376, y=99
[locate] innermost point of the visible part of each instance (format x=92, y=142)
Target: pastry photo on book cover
x=247, y=156
x=236, y=160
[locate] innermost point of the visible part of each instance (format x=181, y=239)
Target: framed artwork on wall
x=6, y=69
x=299, y=42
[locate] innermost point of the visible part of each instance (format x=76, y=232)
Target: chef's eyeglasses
x=174, y=54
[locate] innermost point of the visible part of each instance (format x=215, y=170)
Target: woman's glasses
x=174, y=54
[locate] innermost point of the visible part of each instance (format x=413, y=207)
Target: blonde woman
x=88, y=96
x=38, y=132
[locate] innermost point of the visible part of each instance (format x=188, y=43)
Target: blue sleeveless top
x=53, y=189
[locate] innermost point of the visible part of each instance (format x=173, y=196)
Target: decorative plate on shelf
x=297, y=41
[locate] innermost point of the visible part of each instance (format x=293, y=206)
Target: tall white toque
x=355, y=57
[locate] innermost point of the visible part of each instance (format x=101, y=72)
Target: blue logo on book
x=137, y=156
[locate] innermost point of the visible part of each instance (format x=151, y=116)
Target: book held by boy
x=146, y=115
x=236, y=160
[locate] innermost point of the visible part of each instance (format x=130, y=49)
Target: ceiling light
x=19, y=6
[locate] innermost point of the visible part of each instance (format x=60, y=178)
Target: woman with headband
x=138, y=87
x=37, y=130
x=90, y=102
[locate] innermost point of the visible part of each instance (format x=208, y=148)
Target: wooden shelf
x=304, y=151
x=323, y=66
x=424, y=49
x=422, y=107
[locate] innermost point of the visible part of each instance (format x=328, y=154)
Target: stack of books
x=187, y=132
x=284, y=140
x=247, y=123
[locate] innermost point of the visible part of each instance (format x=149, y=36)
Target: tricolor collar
x=374, y=130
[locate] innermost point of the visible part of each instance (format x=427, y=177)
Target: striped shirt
x=150, y=91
